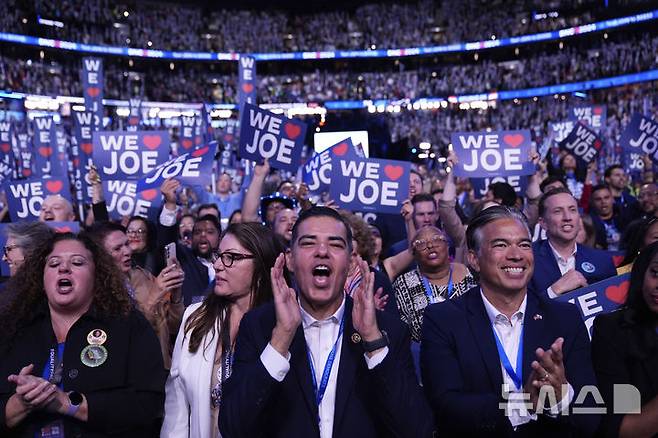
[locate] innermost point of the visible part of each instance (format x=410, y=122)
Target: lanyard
x=428, y=288
x=515, y=375
x=52, y=371
x=319, y=392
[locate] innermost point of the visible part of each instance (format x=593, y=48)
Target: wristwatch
x=75, y=399
x=382, y=342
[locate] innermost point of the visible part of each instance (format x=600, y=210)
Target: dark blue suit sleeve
x=456, y=411
x=249, y=389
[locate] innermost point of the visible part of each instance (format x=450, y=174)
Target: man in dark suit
x=562, y=264
x=485, y=352
x=317, y=363
x=197, y=261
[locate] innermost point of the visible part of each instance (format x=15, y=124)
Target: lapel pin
x=356, y=338
x=537, y=317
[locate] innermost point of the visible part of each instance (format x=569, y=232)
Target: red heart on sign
x=598, y=110
x=187, y=143
x=54, y=186
x=133, y=121
x=228, y=137
x=616, y=260
x=45, y=152
x=197, y=140
x=27, y=172
x=5, y=147
x=513, y=139
x=597, y=144
x=62, y=229
x=87, y=148
x=149, y=194
x=393, y=172
x=152, y=141
x=200, y=152
x=247, y=88
x=340, y=149
x=93, y=91
x=292, y=130
x=618, y=293
x=76, y=161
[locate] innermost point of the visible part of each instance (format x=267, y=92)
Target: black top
x=125, y=394
x=623, y=352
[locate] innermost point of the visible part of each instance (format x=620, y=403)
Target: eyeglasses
x=8, y=248
x=228, y=258
x=139, y=231
x=422, y=245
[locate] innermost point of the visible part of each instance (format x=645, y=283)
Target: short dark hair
x=504, y=192
x=556, y=191
x=100, y=230
x=609, y=170
x=209, y=218
x=598, y=187
x=423, y=197
x=317, y=211
x=417, y=173
x=551, y=179
x=488, y=215
x=212, y=206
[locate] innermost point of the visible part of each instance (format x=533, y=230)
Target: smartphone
x=170, y=254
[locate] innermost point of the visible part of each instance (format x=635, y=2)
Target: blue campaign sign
x=369, y=185
x=6, y=149
x=264, y=134
x=560, y=130
x=641, y=136
x=481, y=185
x=129, y=155
x=135, y=115
x=583, y=143
x=123, y=199
x=496, y=153
x=593, y=116
x=248, y=91
x=44, y=146
x=82, y=149
x=25, y=155
x=602, y=297
x=193, y=168
x=190, y=135
x=316, y=172
x=24, y=197
x=92, y=87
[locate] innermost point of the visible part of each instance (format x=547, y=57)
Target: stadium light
x=424, y=145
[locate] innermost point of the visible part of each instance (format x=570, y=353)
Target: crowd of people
x=618, y=55
x=377, y=25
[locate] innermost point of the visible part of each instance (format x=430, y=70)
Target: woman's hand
x=33, y=392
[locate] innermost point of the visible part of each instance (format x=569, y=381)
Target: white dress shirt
x=509, y=333
x=320, y=338
x=565, y=265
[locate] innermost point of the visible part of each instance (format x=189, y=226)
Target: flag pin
x=356, y=338
x=537, y=316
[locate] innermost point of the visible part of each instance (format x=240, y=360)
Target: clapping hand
x=364, y=315
x=288, y=316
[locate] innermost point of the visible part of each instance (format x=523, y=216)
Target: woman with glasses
x=22, y=239
x=435, y=279
x=203, y=353
x=142, y=240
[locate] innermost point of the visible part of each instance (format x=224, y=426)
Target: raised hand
x=288, y=316
x=32, y=391
x=364, y=316
x=168, y=189
x=262, y=170
x=381, y=300
x=170, y=278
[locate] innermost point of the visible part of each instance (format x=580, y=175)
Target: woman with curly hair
x=77, y=358
x=203, y=353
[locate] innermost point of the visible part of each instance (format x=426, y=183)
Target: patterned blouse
x=412, y=299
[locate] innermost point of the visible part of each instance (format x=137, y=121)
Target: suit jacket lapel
x=351, y=355
x=553, y=269
x=533, y=334
x=484, y=337
x=299, y=364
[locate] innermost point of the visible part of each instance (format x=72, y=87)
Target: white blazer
x=188, y=406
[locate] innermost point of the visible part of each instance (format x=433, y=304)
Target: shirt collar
x=493, y=313
x=557, y=255
x=308, y=320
